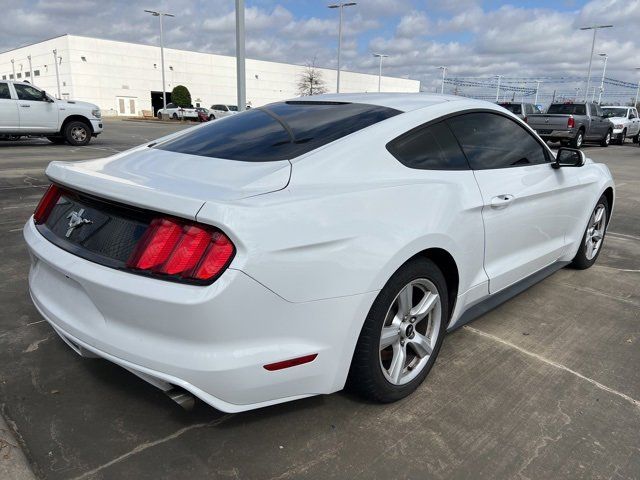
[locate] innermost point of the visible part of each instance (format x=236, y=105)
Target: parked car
x=203, y=114
x=220, y=110
x=625, y=122
x=175, y=112
x=573, y=124
x=245, y=262
x=521, y=109
x=26, y=110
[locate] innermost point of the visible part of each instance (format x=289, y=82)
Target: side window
x=429, y=148
x=224, y=108
x=27, y=92
x=634, y=113
x=4, y=91
x=170, y=105
x=581, y=110
x=597, y=109
x=490, y=141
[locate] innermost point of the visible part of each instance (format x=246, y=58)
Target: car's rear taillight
x=182, y=250
x=47, y=202
x=571, y=123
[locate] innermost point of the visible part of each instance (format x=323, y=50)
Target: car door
x=527, y=204
x=37, y=113
x=634, y=123
x=599, y=125
x=9, y=119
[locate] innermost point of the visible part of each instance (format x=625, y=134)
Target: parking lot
x=545, y=386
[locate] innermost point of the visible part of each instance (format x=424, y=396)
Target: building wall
x=105, y=72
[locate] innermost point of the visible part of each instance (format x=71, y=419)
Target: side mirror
x=569, y=157
x=44, y=97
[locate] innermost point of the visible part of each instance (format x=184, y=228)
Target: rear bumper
x=556, y=134
x=212, y=341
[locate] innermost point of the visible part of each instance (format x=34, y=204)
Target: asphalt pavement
x=546, y=386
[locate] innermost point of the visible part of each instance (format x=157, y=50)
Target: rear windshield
x=512, y=107
x=279, y=131
x=567, y=109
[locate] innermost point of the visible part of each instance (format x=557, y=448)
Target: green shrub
x=181, y=96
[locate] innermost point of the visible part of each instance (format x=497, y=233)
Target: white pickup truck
x=625, y=122
x=26, y=110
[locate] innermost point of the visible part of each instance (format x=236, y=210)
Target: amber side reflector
x=291, y=363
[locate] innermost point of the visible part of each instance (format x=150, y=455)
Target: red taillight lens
x=181, y=249
x=47, y=202
x=571, y=122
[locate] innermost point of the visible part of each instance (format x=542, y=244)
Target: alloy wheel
x=410, y=331
x=595, y=231
x=79, y=134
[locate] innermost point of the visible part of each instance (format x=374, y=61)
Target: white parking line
x=633, y=401
x=23, y=186
x=20, y=206
x=616, y=234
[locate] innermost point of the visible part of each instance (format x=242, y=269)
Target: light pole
x=538, y=82
x=605, y=56
x=13, y=67
x=444, y=73
x=341, y=6
x=30, y=71
x=241, y=80
x=637, y=91
x=164, y=89
x=380, y=56
x=499, y=77
x=595, y=29
x=55, y=62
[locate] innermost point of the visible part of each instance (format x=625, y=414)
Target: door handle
x=25, y=106
x=502, y=201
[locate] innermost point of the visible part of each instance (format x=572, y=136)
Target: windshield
x=279, y=131
x=512, y=107
x=567, y=109
x=609, y=112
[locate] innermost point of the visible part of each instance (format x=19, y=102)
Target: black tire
x=77, y=133
x=212, y=117
x=159, y=115
x=366, y=376
x=578, y=140
x=56, y=140
x=623, y=136
x=636, y=137
x=174, y=116
x=606, y=140
x=582, y=261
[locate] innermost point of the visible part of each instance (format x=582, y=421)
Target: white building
x=125, y=78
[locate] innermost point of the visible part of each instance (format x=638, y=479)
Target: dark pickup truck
x=572, y=124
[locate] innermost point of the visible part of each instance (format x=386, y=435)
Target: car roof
x=404, y=102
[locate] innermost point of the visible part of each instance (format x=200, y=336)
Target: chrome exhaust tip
x=182, y=398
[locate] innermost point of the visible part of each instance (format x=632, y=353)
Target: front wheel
x=402, y=334
x=623, y=136
x=593, y=236
x=606, y=140
x=77, y=133
x=636, y=137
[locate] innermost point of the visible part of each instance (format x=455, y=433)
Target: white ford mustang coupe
x=296, y=248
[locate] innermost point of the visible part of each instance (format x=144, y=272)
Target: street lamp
x=595, y=29
x=604, y=69
x=241, y=81
x=13, y=67
x=444, y=73
x=538, y=82
x=380, y=56
x=55, y=62
x=164, y=89
x=637, y=91
x=499, y=77
x=30, y=70
x=341, y=6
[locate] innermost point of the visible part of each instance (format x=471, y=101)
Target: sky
x=473, y=38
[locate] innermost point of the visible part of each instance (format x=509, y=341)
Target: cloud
x=471, y=37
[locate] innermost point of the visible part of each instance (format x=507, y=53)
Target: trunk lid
x=169, y=182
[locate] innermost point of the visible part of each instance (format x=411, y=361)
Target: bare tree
x=310, y=81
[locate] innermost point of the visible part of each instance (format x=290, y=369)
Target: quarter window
x=27, y=92
x=491, y=141
x=4, y=91
x=429, y=148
